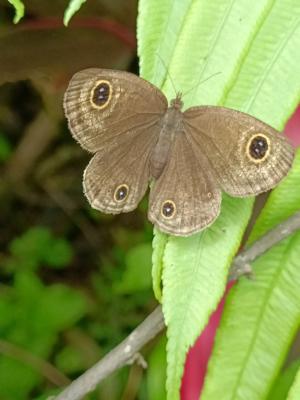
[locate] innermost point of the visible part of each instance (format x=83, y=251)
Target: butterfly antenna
x=200, y=82
x=168, y=74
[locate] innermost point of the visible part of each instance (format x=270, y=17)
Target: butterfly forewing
x=246, y=155
x=103, y=105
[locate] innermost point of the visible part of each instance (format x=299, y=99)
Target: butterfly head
x=177, y=103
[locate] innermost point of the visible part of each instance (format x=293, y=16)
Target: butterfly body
x=171, y=125
x=190, y=157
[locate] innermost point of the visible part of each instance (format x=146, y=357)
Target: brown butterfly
x=189, y=156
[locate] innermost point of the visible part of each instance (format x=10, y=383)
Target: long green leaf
x=284, y=382
x=240, y=370
x=188, y=41
x=194, y=278
x=285, y=199
x=268, y=84
x=260, y=320
x=283, y=202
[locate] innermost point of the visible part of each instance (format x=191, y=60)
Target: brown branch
x=126, y=351
x=115, y=359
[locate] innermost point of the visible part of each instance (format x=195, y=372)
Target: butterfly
x=189, y=157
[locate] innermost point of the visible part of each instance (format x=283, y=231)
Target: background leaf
x=294, y=393
x=156, y=372
x=257, y=327
x=73, y=7
x=19, y=9
x=283, y=382
x=137, y=275
x=285, y=200
x=254, y=311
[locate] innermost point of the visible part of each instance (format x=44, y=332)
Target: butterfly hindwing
x=116, y=180
x=185, y=198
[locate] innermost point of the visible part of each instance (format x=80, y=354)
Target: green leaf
x=283, y=382
x=59, y=308
x=268, y=84
x=69, y=360
x=73, y=7
x=260, y=320
x=156, y=371
x=38, y=245
x=282, y=203
x=194, y=280
x=137, y=275
x=30, y=247
x=16, y=379
x=294, y=393
x=59, y=254
x=255, y=63
x=159, y=245
x=19, y=9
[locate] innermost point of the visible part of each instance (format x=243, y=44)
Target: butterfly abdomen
x=171, y=125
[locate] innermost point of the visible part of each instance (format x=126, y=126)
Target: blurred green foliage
x=38, y=246
x=32, y=314
x=73, y=282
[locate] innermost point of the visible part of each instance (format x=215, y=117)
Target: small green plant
x=32, y=314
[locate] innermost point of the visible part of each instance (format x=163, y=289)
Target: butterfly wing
x=103, y=106
x=185, y=198
x=117, y=178
x=246, y=155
